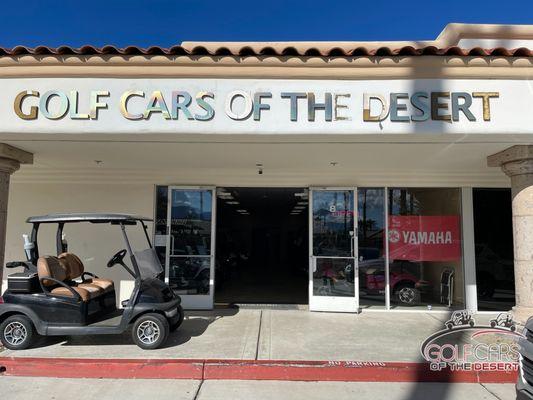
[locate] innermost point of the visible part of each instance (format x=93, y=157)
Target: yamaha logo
x=394, y=236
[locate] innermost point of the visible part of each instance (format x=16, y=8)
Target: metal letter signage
x=165, y=105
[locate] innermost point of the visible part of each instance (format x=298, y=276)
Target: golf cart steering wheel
x=117, y=258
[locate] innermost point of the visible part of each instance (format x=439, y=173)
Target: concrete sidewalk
x=16, y=388
x=268, y=335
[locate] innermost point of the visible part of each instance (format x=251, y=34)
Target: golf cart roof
x=87, y=217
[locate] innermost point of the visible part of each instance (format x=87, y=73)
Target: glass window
x=333, y=223
x=425, y=248
x=493, y=233
x=371, y=245
x=189, y=275
x=190, y=240
x=190, y=222
x=334, y=277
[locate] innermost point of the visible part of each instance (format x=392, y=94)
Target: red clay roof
x=289, y=51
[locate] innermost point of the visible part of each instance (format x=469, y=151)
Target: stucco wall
x=95, y=244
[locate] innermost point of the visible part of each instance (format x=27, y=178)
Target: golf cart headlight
x=171, y=313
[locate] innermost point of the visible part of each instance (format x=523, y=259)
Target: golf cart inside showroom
x=55, y=296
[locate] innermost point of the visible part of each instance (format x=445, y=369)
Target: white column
x=10, y=160
x=517, y=163
x=469, y=249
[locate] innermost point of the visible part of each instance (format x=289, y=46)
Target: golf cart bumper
x=524, y=385
x=175, y=317
x=169, y=308
x=523, y=390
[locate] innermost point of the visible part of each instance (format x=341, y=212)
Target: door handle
x=352, y=243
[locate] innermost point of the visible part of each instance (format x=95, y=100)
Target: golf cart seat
x=76, y=269
x=54, y=277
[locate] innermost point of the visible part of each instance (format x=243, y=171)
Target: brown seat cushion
x=49, y=266
x=75, y=268
x=63, y=291
x=94, y=290
x=74, y=265
x=105, y=284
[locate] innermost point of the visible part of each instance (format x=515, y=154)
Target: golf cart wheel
x=16, y=332
x=472, y=323
x=493, y=324
x=408, y=295
x=513, y=328
x=178, y=323
x=150, y=331
x=449, y=325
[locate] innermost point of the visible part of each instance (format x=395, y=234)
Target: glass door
x=333, y=272
x=190, y=247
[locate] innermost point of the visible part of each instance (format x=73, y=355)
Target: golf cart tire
x=412, y=297
x=150, y=320
x=178, y=323
x=493, y=324
x=17, y=321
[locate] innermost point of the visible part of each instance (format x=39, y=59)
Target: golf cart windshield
x=148, y=262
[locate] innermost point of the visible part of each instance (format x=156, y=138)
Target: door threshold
x=263, y=306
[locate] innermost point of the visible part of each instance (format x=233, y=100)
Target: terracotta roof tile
x=289, y=51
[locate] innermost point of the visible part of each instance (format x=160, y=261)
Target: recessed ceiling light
x=232, y=202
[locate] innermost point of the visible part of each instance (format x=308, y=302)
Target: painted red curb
x=102, y=368
x=347, y=371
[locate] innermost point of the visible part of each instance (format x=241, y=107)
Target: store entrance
x=262, y=246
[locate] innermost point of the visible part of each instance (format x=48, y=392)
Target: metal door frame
x=333, y=303
x=194, y=301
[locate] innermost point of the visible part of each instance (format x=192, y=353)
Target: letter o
x=63, y=104
x=248, y=105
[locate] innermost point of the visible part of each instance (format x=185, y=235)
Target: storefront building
x=344, y=176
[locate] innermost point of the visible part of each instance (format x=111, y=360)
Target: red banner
x=424, y=238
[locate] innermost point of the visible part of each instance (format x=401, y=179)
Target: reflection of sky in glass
x=191, y=204
x=342, y=211
x=374, y=205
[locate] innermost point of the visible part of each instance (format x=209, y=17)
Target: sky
x=169, y=22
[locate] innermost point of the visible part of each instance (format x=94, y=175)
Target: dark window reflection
x=371, y=249
x=190, y=234
x=493, y=233
x=333, y=223
x=334, y=277
x=190, y=222
x=190, y=275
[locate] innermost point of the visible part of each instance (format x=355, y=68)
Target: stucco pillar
x=10, y=160
x=517, y=163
